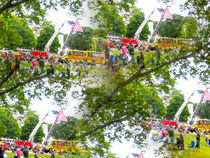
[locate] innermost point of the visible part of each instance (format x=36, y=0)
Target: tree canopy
x=118, y=103
x=45, y=35
x=135, y=21
x=9, y=125
x=180, y=26
x=29, y=125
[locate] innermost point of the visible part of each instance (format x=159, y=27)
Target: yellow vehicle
x=90, y=57
x=172, y=43
x=201, y=125
x=64, y=146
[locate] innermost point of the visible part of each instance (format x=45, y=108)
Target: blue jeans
x=198, y=144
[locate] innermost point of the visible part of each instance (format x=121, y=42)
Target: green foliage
x=9, y=38
x=174, y=105
x=3, y=130
x=66, y=130
x=29, y=124
x=109, y=20
x=28, y=38
x=82, y=40
x=204, y=111
x=180, y=26
x=9, y=124
x=135, y=21
x=45, y=36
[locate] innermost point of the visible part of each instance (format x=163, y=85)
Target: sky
x=185, y=86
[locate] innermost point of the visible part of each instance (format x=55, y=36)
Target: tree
x=118, y=101
x=45, y=36
x=204, y=110
x=174, y=105
x=65, y=130
x=180, y=26
x=29, y=125
x=3, y=130
x=109, y=20
x=38, y=8
x=9, y=37
x=82, y=40
x=135, y=21
x=28, y=38
x=9, y=125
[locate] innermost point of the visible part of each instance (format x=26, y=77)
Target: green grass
x=46, y=155
x=203, y=152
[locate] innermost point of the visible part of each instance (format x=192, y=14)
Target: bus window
x=88, y=54
x=199, y=122
x=85, y=54
x=58, y=143
x=174, y=41
x=70, y=53
x=54, y=142
x=73, y=53
x=163, y=41
x=81, y=53
x=91, y=54
x=171, y=41
x=76, y=53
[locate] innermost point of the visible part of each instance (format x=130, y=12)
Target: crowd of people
x=168, y=137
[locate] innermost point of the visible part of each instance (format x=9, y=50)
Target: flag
x=138, y=155
x=160, y=10
x=55, y=112
x=206, y=96
x=76, y=27
x=61, y=117
x=166, y=14
x=70, y=22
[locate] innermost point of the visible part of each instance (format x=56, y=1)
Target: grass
x=46, y=156
x=203, y=152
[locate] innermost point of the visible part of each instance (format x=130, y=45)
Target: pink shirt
x=124, y=51
x=18, y=152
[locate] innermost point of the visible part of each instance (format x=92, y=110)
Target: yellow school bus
x=90, y=57
x=201, y=125
x=172, y=43
x=64, y=146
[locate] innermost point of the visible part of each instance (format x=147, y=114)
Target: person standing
x=52, y=154
x=182, y=140
x=198, y=139
x=25, y=152
x=131, y=52
x=171, y=135
x=107, y=49
x=18, y=153
x=1, y=151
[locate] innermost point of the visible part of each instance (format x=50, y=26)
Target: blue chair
x=192, y=144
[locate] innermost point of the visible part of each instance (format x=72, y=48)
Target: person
x=35, y=155
x=25, y=152
x=157, y=55
x=18, y=153
x=171, y=134
x=52, y=154
x=181, y=136
x=131, y=52
x=163, y=133
x=198, y=139
x=207, y=139
x=107, y=50
x=1, y=151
